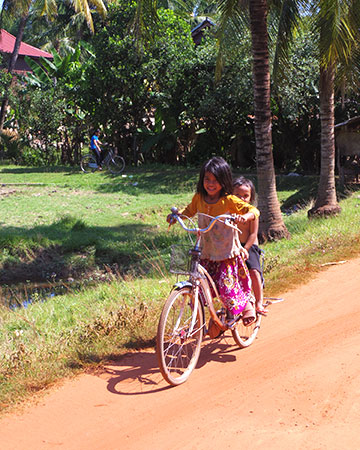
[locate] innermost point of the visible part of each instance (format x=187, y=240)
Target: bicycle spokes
x=179, y=336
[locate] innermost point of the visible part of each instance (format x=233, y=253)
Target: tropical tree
x=337, y=24
x=134, y=94
x=271, y=223
x=22, y=8
x=66, y=30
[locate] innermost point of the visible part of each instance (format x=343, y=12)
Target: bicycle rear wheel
x=245, y=336
x=116, y=164
x=177, y=348
x=88, y=163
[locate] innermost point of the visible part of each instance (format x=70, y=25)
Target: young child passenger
x=221, y=250
x=245, y=190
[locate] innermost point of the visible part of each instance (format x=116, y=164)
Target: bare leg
x=257, y=287
x=249, y=315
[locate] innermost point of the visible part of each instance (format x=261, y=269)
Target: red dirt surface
x=296, y=387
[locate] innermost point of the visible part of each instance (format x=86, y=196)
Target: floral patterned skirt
x=232, y=280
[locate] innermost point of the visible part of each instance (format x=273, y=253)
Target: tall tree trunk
x=11, y=67
x=326, y=203
x=271, y=223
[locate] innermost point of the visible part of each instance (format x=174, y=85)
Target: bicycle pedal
x=230, y=323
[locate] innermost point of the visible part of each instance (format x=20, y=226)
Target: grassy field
x=103, y=241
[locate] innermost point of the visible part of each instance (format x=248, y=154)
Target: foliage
x=224, y=108
x=160, y=102
x=56, y=135
x=295, y=107
x=125, y=84
x=40, y=129
x=5, y=78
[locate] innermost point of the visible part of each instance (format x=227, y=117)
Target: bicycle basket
x=180, y=259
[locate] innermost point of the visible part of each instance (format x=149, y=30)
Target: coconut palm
x=271, y=223
x=22, y=8
x=337, y=25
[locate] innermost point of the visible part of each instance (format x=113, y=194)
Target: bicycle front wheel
x=88, y=163
x=177, y=345
x=116, y=164
x=245, y=336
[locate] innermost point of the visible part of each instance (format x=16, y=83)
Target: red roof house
x=7, y=43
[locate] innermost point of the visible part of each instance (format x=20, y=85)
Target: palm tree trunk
x=271, y=223
x=11, y=67
x=326, y=203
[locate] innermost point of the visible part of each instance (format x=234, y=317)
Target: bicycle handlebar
x=224, y=218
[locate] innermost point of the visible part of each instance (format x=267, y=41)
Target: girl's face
x=212, y=186
x=243, y=192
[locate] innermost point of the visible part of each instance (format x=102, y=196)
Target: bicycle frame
x=199, y=276
x=109, y=155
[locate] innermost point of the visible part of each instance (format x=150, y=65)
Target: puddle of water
x=21, y=296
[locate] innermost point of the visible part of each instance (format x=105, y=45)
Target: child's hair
x=221, y=171
x=242, y=181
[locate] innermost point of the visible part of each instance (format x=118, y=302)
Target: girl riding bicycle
x=222, y=254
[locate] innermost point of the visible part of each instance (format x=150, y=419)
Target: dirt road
x=296, y=387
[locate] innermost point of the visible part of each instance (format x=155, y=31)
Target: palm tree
x=337, y=24
x=271, y=223
x=49, y=9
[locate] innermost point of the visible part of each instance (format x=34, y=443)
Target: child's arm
x=247, y=211
x=253, y=232
x=247, y=216
x=189, y=211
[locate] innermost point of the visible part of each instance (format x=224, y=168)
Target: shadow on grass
x=69, y=248
x=44, y=169
x=161, y=181
x=307, y=191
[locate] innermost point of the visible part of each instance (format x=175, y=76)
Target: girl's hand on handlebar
x=245, y=217
x=170, y=219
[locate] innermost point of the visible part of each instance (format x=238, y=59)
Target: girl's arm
x=247, y=216
x=253, y=232
x=192, y=208
x=248, y=212
x=189, y=211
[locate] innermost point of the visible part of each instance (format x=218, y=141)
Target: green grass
x=104, y=240
x=73, y=215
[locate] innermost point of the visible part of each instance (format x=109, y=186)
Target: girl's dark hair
x=221, y=171
x=242, y=181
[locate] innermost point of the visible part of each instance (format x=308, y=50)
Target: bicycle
x=182, y=323
x=114, y=163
